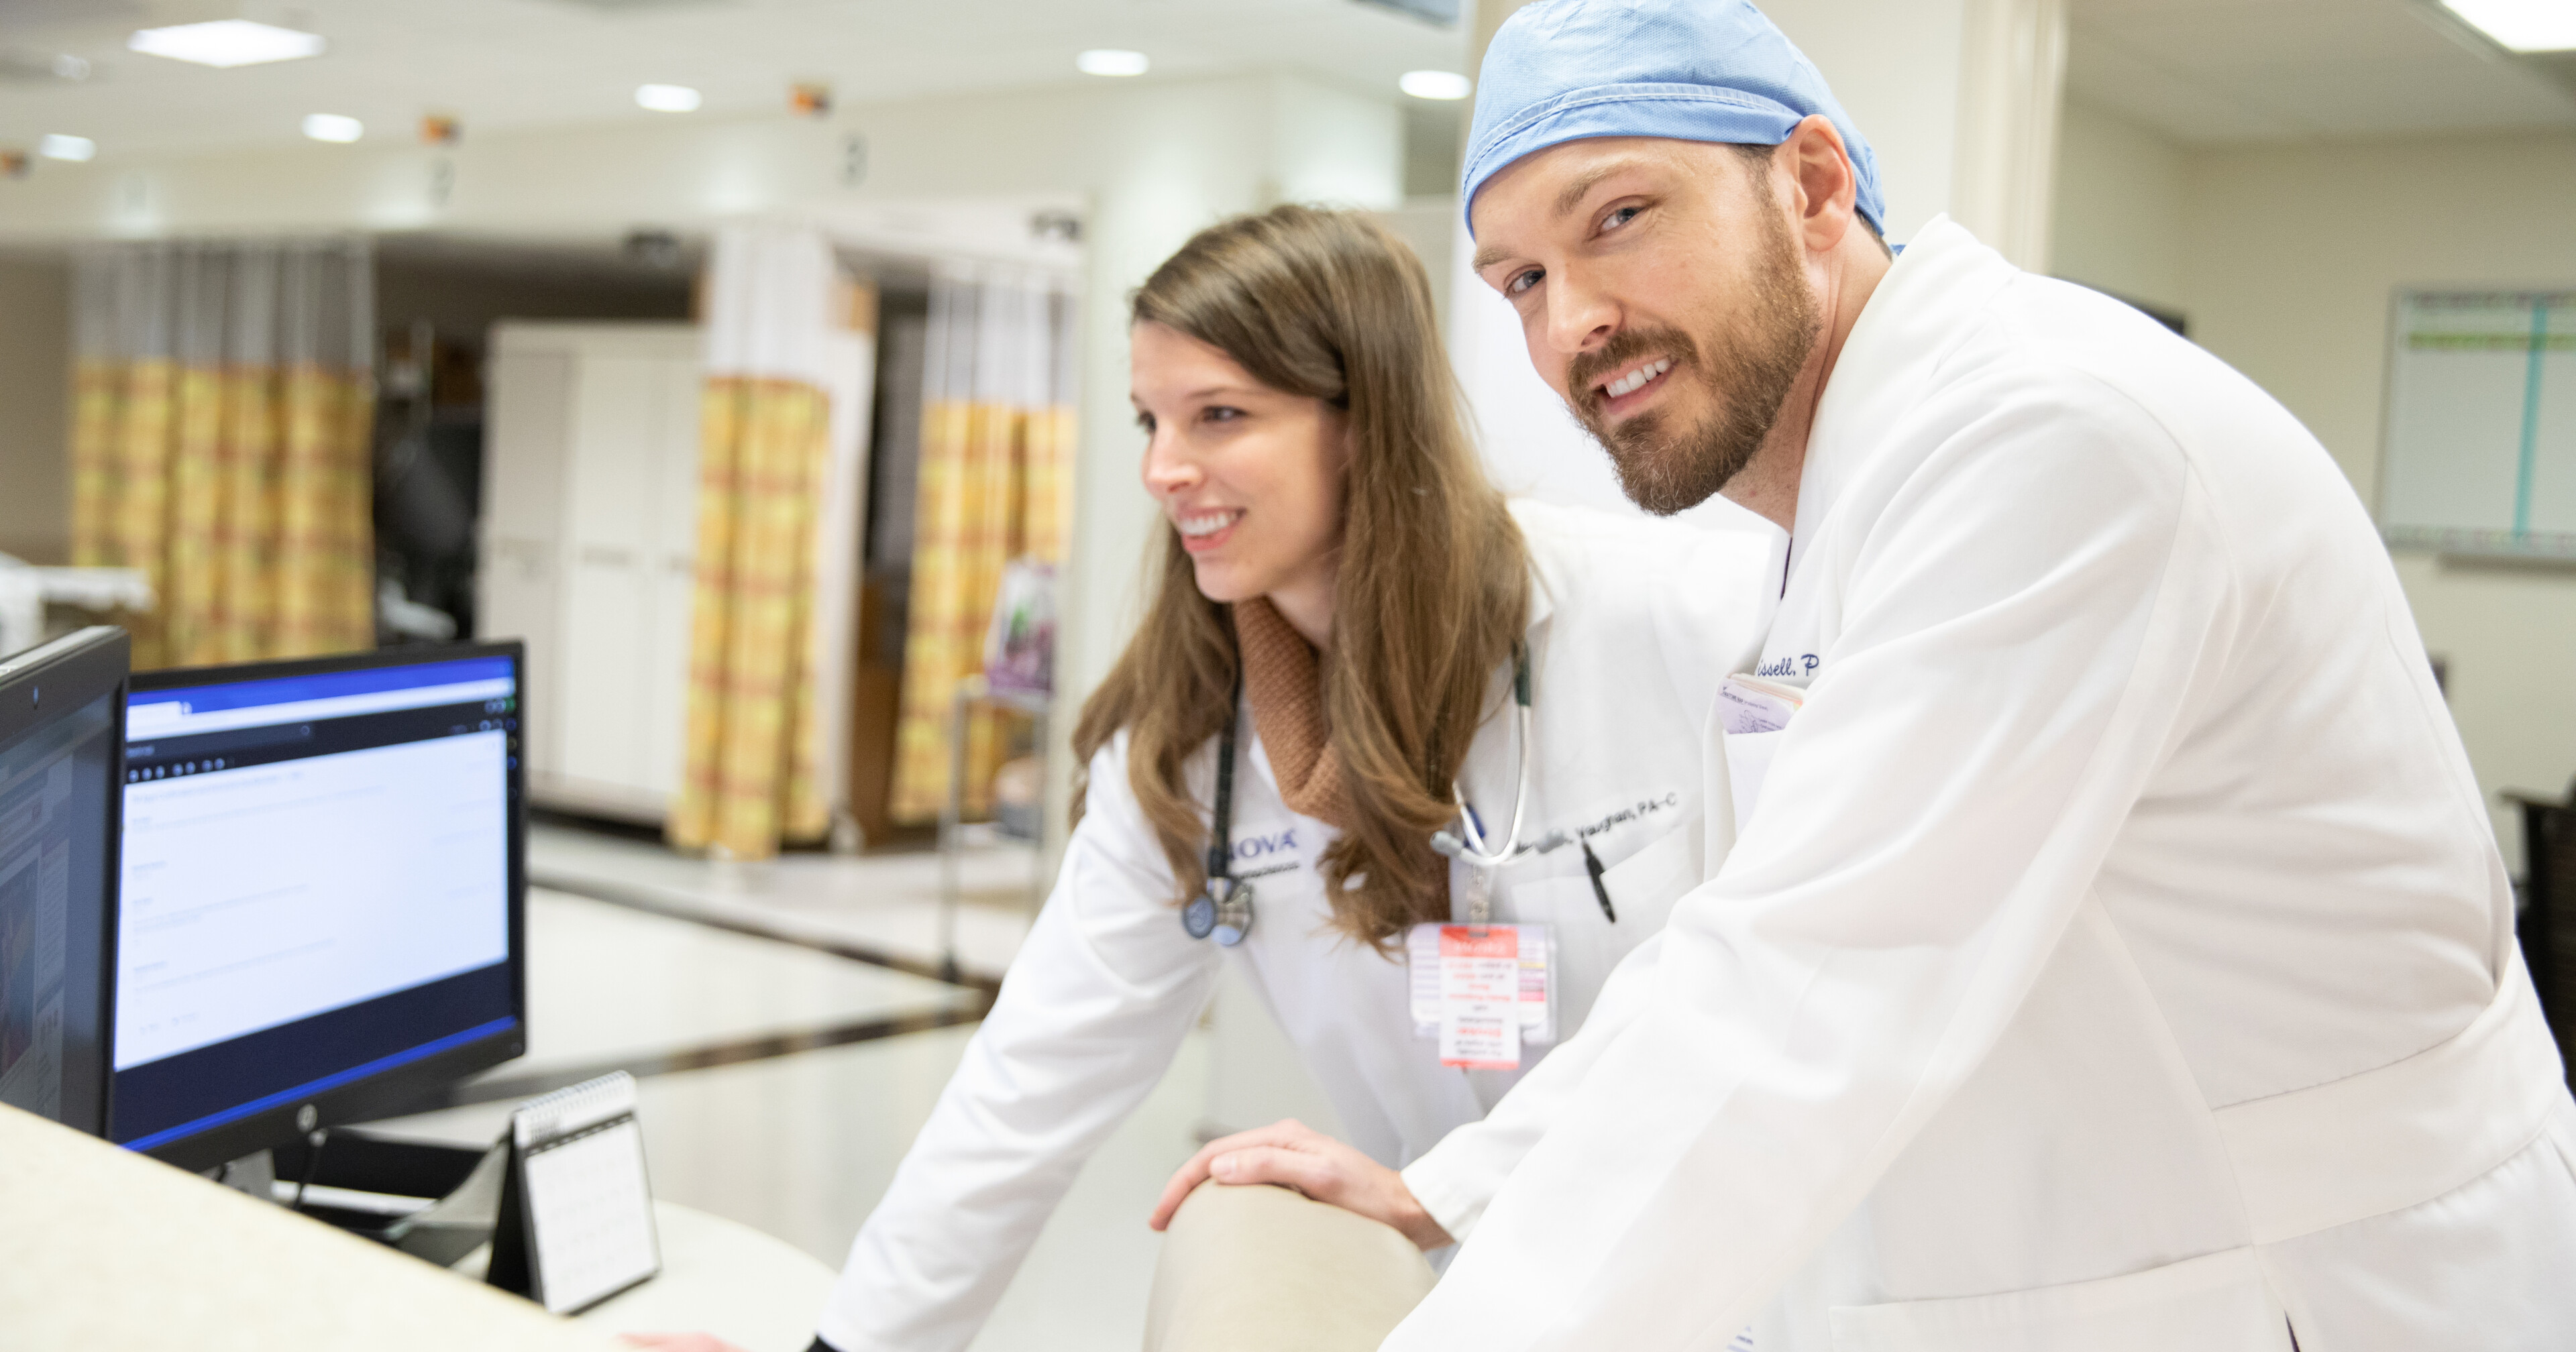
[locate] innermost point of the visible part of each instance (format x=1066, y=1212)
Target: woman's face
x=1249, y=476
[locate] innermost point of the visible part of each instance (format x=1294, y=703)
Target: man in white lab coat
x=2115, y=953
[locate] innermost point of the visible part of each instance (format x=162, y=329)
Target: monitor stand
x=254, y=1173
x=435, y=1202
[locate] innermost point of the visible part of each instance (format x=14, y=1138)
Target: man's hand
x=1294, y=1155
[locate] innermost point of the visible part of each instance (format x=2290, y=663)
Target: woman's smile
x=1206, y=529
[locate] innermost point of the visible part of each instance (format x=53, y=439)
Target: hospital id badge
x=1482, y=990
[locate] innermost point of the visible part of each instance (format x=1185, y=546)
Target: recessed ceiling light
x=1435, y=84
x=74, y=148
x=226, y=42
x=2521, y=25
x=1111, y=61
x=333, y=127
x=667, y=98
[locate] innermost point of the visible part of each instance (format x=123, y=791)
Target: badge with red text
x=1482, y=990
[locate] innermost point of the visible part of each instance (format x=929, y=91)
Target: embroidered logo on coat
x=1259, y=856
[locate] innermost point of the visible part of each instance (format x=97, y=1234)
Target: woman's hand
x=1294, y=1155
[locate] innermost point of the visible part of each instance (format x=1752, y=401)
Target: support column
x=2012, y=75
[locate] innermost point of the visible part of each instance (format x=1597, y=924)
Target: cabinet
x=589, y=536
x=589, y=530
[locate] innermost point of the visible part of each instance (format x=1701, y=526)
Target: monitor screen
x=318, y=884
x=58, y=750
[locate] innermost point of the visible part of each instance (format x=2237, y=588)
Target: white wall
x=35, y=394
x=2284, y=259
x=2120, y=196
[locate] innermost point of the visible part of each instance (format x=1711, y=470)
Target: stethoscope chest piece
x=1222, y=912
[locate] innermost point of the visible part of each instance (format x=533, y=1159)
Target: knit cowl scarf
x=1283, y=684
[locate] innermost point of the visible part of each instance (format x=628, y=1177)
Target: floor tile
x=888, y=902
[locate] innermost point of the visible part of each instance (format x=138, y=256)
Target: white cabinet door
x=589, y=526
x=609, y=598
x=673, y=580
x=519, y=574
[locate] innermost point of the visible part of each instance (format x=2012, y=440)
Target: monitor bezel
x=91, y=663
x=413, y=1085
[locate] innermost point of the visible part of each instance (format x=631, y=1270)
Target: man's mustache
x=1584, y=374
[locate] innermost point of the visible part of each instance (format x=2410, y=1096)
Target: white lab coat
x=2117, y=955
x=1624, y=663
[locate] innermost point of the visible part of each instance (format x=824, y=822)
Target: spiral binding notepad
x=576, y=1224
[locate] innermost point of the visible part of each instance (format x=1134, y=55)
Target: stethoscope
x=1223, y=909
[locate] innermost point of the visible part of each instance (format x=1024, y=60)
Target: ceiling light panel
x=333, y=127
x=1111, y=61
x=2522, y=25
x=1435, y=84
x=73, y=148
x=226, y=42
x=663, y=98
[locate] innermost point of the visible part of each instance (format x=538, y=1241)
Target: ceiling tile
x=2237, y=70
x=2182, y=105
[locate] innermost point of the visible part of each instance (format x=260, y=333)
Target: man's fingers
x=1287, y=1132
x=1188, y=1177
x=1311, y=1174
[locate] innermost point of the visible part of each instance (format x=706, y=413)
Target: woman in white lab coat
x=1346, y=600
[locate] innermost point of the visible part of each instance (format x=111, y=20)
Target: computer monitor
x=59, y=708
x=320, y=917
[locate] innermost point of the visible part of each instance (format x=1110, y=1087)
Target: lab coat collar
x=1918, y=313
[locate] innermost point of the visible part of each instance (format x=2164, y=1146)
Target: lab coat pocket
x=1748, y=763
x=2215, y=1303
x=1644, y=886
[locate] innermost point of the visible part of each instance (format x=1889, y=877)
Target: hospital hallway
x=780, y=1081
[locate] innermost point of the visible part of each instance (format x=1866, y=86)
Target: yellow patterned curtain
x=223, y=406
x=753, y=771
x=994, y=485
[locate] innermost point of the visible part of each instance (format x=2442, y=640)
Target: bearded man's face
x=1678, y=315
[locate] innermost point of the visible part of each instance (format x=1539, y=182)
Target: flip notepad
x=576, y=1223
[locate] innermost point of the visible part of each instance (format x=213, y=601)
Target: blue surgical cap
x=1685, y=70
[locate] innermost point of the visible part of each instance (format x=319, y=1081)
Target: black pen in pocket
x=1592, y=865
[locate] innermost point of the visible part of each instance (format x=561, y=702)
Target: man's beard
x=1749, y=367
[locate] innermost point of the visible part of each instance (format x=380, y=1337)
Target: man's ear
x=1828, y=187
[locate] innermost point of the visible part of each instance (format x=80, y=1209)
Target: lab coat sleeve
x=1090, y=1015
x=2024, y=612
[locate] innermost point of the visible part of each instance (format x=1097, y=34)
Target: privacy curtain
x=995, y=484
x=753, y=769
x=222, y=411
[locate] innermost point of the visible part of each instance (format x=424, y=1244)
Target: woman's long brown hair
x=1433, y=586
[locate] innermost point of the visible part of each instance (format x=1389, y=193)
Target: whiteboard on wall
x=2480, y=454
